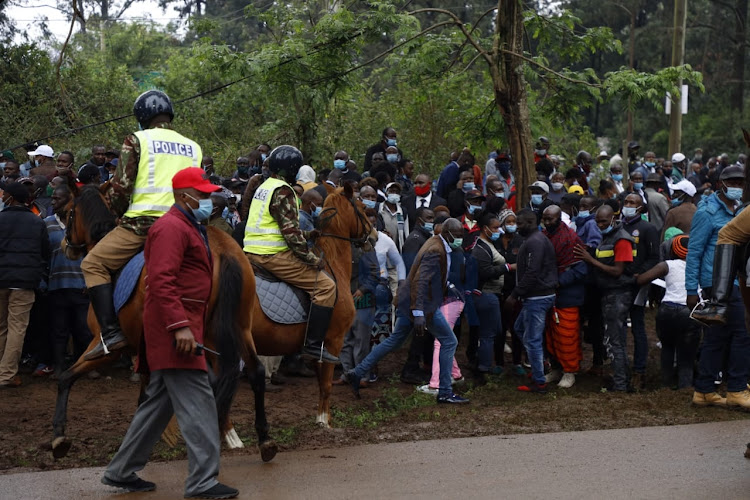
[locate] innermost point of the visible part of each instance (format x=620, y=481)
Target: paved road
x=683, y=462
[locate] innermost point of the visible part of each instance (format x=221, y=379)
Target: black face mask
x=525, y=230
x=551, y=228
x=667, y=172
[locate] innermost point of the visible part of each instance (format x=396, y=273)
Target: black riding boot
x=104, y=309
x=715, y=312
x=317, y=327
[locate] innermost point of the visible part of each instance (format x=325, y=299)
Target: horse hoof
x=268, y=450
x=60, y=446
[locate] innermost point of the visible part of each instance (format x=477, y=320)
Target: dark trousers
x=592, y=314
x=69, y=307
x=716, y=340
x=508, y=318
x=615, y=307
x=38, y=341
x=679, y=336
x=488, y=310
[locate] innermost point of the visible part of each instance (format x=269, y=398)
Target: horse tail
x=226, y=331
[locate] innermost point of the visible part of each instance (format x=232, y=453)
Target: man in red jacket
x=179, y=270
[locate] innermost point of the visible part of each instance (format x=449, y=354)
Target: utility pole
x=678, y=59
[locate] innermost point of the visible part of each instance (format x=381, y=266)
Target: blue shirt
x=63, y=272
x=306, y=222
x=711, y=216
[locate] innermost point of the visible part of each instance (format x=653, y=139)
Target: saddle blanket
x=127, y=280
x=282, y=303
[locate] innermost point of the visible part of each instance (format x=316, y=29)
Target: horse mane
x=95, y=213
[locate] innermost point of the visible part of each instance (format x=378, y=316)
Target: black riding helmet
x=285, y=161
x=152, y=103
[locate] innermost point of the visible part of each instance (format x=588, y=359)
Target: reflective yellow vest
x=262, y=232
x=164, y=152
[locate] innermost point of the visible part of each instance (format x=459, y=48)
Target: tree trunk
x=510, y=93
x=738, y=67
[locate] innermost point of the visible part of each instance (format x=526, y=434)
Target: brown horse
x=342, y=222
x=228, y=327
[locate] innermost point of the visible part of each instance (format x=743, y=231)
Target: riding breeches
x=110, y=255
x=291, y=270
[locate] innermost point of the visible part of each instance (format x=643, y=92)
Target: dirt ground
x=100, y=411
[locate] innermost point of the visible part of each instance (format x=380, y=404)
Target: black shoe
x=317, y=327
x=217, y=491
x=354, y=380
x=131, y=486
x=453, y=399
x=414, y=378
x=104, y=309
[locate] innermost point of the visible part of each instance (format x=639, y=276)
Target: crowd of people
x=528, y=284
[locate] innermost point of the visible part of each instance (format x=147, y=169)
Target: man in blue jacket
x=703, y=257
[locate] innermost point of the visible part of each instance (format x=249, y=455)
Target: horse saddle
x=281, y=302
x=127, y=280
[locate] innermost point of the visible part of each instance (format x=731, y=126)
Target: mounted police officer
x=273, y=240
x=140, y=193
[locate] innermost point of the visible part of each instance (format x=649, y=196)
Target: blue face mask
x=393, y=158
x=583, y=214
x=390, y=142
x=608, y=230
x=394, y=198
x=496, y=236
x=629, y=211
x=468, y=186
x=205, y=207
x=617, y=177
x=650, y=164
x=429, y=226
x=316, y=212
x=2, y=165
x=500, y=194
x=474, y=208
x=676, y=201
x=339, y=164
x=637, y=186
x=263, y=156
x=369, y=203
x=511, y=228
x=734, y=193
x=536, y=199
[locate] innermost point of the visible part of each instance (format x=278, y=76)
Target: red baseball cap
x=193, y=177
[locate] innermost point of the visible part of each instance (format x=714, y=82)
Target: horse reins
x=360, y=221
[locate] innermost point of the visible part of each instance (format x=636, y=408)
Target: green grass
x=392, y=403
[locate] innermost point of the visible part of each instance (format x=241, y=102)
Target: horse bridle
x=360, y=221
x=71, y=223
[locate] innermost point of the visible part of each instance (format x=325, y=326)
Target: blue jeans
x=716, y=340
x=488, y=308
x=530, y=328
x=640, y=342
x=437, y=326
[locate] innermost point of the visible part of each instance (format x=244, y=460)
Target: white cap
x=540, y=185
x=685, y=186
x=678, y=157
x=43, y=150
x=603, y=154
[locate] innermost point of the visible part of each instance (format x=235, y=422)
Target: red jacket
x=178, y=286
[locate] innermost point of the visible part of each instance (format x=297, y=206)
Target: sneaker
x=708, y=399
x=567, y=380
x=458, y=381
x=130, y=486
x=553, y=376
x=533, y=387
x=453, y=399
x=373, y=378
x=217, y=491
x=519, y=370
x=42, y=370
x=426, y=389
x=507, y=349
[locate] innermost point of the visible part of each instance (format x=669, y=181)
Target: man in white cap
x=42, y=161
x=683, y=208
x=539, y=201
x=679, y=165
